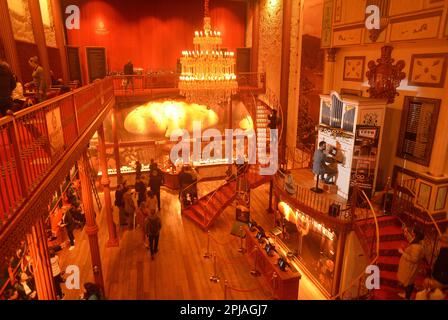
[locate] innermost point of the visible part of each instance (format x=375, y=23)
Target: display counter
x=284, y=284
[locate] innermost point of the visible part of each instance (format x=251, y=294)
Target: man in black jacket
x=128, y=71
x=7, y=85
x=156, y=181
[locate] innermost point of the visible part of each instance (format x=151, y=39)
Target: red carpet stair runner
x=391, y=239
x=208, y=208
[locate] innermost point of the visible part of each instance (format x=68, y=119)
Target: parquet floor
x=179, y=270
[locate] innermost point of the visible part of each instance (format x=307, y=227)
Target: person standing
x=409, y=263
x=155, y=182
x=140, y=188
x=153, y=225
x=68, y=222
x=128, y=71
x=129, y=207
x=38, y=79
x=56, y=271
x=138, y=169
x=119, y=203
x=440, y=268
x=7, y=86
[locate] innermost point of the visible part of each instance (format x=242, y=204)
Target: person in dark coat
x=69, y=224
x=153, y=224
x=140, y=188
x=156, y=181
x=440, y=268
x=320, y=166
x=128, y=71
x=119, y=203
x=7, y=85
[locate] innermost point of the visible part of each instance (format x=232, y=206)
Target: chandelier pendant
x=208, y=72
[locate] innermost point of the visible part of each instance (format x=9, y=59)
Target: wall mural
x=21, y=20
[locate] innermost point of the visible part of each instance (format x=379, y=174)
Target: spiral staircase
x=207, y=209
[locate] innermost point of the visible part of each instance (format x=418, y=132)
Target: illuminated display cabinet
x=353, y=127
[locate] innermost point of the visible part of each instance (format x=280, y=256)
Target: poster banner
x=55, y=133
x=365, y=157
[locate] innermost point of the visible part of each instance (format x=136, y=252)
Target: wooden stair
x=208, y=208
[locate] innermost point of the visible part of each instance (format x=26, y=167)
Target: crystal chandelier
x=208, y=73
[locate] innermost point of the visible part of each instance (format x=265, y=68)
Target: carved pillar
x=37, y=242
x=255, y=5
x=116, y=147
x=330, y=63
x=113, y=239
x=285, y=68
x=39, y=37
x=7, y=38
x=91, y=226
x=60, y=37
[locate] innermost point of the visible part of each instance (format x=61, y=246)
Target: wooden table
x=286, y=283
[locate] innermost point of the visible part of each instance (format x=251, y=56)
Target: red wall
x=152, y=33
x=27, y=50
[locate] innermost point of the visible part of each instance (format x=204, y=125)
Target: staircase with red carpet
x=391, y=239
x=208, y=208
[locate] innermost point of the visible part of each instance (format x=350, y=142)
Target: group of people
x=323, y=164
x=12, y=91
x=146, y=211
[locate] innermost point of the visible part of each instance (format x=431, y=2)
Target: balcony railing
x=34, y=139
x=169, y=80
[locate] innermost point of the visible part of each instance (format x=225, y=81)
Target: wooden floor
x=305, y=178
x=179, y=270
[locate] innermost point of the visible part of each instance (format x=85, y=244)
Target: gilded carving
x=385, y=76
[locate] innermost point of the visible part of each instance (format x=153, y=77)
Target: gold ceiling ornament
x=208, y=72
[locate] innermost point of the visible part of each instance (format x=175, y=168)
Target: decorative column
x=255, y=5
x=340, y=252
x=113, y=239
x=329, y=70
x=285, y=68
x=7, y=38
x=91, y=226
x=43, y=276
x=60, y=37
x=116, y=147
x=39, y=37
x=230, y=126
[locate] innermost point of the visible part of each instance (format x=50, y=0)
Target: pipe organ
x=352, y=127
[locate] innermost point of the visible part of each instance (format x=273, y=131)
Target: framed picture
x=424, y=195
x=354, y=68
x=428, y=70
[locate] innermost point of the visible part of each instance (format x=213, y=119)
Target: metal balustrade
x=34, y=139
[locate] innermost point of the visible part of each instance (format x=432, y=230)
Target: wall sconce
x=96, y=269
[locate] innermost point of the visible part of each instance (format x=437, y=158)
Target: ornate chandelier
x=208, y=73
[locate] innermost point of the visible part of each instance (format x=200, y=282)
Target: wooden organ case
x=352, y=127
